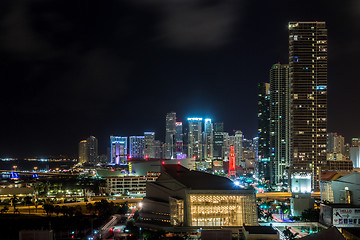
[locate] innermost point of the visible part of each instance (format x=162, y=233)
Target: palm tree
x=13, y=200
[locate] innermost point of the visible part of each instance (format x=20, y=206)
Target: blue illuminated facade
x=118, y=149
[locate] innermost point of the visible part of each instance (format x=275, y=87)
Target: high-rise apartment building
x=118, y=149
x=83, y=157
x=208, y=140
x=335, y=143
x=308, y=77
x=280, y=124
x=170, y=136
x=137, y=147
x=149, y=144
x=263, y=160
x=92, y=149
x=88, y=150
x=179, y=138
x=195, y=138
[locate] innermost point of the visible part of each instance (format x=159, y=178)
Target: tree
x=27, y=201
x=89, y=207
x=289, y=234
x=57, y=210
x=48, y=208
x=5, y=209
x=310, y=215
x=13, y=200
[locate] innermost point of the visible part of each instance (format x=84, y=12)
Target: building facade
x=335, y=143
x=179, y=139
x=170, y=136
x=263, y=160
x=137, y=147
x=149, y=144
x=184, y=198
x=195, y=138
x=92, y=149
x=280, y=120
x=83, y=157
x=208, y=140
x=118, y=149
x=308, y=77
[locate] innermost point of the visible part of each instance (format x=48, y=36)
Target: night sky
x=71, y=69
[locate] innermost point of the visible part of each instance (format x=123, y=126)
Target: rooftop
x=198, y=180
x=260, y=230
x=331, y=233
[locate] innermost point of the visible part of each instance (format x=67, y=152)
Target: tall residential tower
x=280, y=121
x=308, y=77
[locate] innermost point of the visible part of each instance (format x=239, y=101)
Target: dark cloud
x=196, y=24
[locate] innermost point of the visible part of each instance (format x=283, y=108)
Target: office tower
x=308, y=77
x=149, y=144
x=83, y=156
x=280, y=120
x=218, y=152
x=170, y=135
x=137, y=147
x=118, y=148
x=179, y=138
x=92, y=149
x=208, y=140
x=226, y=146
x=335, y=143
x=355, y=142
x=263, y=160
x=238, y=149
x=158, y=147
x=195, y=138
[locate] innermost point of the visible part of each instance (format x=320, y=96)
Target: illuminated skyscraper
x=92, y=149
x=83, y=157
x=195, y=138
x=280, y=120
x=137, y=147
x=179, y=138
x=238, y=149
x=218, y=141
x=263, y=160
x=170, y=136
x=118, y=149
x=208, y=140
x=308, y=77
x=149, y=144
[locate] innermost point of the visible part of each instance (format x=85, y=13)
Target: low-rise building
x=192, y=199
x=130, y=185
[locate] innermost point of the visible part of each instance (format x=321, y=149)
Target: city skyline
x=62, y=95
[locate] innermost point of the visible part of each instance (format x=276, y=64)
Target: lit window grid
x=222, y=210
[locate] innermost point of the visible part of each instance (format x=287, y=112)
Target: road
x=282, y=195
